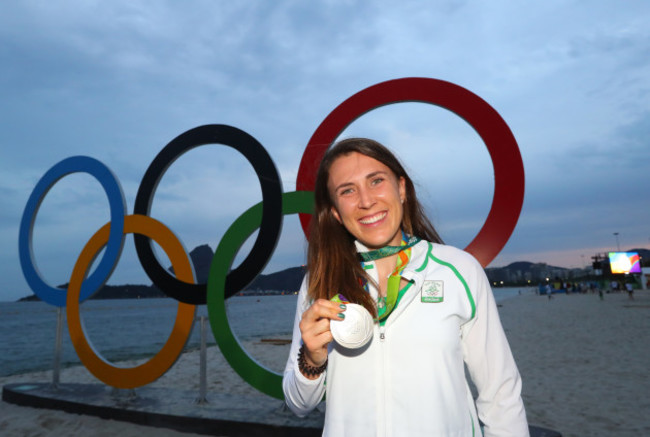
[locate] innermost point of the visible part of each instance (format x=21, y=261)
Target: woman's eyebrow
x=376, y=173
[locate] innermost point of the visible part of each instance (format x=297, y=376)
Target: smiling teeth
x=373, y=219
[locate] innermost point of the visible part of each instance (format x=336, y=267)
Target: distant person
x=430, y=307
x=630, y=290
x=549, y=291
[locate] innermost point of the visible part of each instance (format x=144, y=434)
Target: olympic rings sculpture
x=267, y=215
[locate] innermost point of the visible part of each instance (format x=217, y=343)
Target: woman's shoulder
x=449, y=254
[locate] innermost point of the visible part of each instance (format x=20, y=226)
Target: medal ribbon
x=386, y=305
x=385, y=251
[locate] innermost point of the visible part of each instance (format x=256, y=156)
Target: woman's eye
x=377, y=181
x=346, y=191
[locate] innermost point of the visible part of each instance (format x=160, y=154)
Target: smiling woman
x=367, y=199
x=359, y=181
x=373, y=254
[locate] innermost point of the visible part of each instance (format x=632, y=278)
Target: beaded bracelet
x=307, y=369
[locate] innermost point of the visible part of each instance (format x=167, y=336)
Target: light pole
x=618, y=246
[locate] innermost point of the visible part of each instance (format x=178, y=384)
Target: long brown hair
x=332, y=260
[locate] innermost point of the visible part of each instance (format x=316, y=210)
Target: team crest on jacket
x=433, y=291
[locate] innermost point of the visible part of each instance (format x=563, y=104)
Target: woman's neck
x=385, y=267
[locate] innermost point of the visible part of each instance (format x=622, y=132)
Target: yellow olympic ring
x=154, y=368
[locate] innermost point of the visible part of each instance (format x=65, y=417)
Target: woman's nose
x=366, y=199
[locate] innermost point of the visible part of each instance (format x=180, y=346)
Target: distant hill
x=284, y=280
x=129, y=291
x=520, y=271
x=201, y=257
x=287, y=280
x=526, y=266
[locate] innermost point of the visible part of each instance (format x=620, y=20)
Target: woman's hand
x=315, y=329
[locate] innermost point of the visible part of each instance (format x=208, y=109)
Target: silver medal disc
x=355, y=330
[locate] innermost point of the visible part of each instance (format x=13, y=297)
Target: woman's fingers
x=323, y=308
x=319, y=329
x=315, y=328
x=316, y=319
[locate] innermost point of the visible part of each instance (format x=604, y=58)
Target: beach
x=583, y=362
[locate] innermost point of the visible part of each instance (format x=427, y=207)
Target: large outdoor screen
x=625, y=262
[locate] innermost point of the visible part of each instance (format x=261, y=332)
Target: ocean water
x=124, y=329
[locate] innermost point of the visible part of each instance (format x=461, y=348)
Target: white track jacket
x=409, y=380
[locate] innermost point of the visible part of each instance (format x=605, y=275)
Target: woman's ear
x=402, y=189
x=336, y=215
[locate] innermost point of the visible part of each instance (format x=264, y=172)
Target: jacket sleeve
x=301, y=394
x=491, y=365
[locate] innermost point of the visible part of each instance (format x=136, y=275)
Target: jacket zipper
x=383, y=428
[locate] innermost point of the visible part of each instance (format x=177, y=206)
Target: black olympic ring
x=272, y=216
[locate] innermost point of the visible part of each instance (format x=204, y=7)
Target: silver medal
x=355, y=330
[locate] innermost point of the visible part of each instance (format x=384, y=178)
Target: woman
x=434, y=311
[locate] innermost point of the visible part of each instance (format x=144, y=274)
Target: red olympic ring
x=509, y=178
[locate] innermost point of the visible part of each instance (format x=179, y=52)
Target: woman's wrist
x=307, y=367
x=309, y=360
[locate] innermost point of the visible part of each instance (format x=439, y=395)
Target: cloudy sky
x=118, y=80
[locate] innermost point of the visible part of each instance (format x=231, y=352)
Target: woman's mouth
x=369, y=220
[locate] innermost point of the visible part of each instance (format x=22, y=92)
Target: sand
x=583, y=362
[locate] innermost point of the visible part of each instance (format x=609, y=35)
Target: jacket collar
x=419, y=254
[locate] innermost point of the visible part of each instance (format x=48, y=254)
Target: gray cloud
x=119, y=80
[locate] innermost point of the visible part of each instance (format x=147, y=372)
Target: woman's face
x=367, y=198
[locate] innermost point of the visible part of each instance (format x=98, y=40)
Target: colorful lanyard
x=386, y=305
x=385, y=251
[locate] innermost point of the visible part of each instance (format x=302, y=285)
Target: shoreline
x=583, y=363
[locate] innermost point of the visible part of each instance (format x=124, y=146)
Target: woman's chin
x=377, y=243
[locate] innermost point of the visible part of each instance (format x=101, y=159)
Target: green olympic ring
x=252, y=372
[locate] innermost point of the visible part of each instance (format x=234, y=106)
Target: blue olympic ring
x=75, y=164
